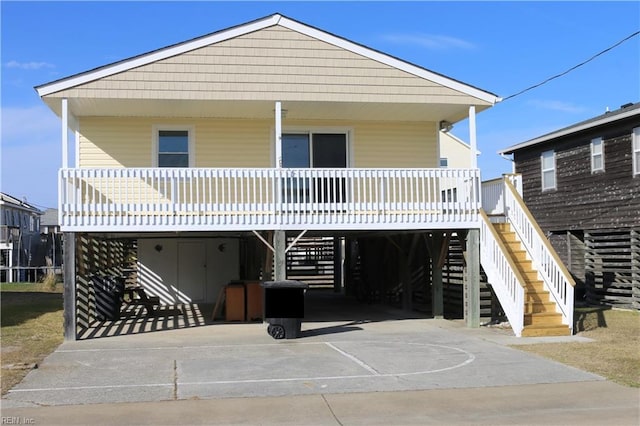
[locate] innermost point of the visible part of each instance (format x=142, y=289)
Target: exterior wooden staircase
x=540, y=316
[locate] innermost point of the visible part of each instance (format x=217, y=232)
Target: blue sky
x=501, y=47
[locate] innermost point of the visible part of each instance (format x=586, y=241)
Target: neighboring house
x=209, y=160
x=19, y=239
x=582, y=184
x=51, y=237
x=454, y=152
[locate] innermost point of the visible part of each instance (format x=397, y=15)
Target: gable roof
x=6, y=199
x=625, y=111
x=276, y=19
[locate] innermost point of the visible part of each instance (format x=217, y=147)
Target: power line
x=573, y=68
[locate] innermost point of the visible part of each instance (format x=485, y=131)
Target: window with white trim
x=548, y=169
x=597, y=155
x=635, y=150
x=173, y=146
x=444, y=162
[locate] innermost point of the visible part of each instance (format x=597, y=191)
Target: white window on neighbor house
x=173, y=146
x=444, y=163
x=635, y=142
x=548, y=166
x=597, y=155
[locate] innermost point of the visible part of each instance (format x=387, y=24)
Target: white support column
x=278, y=117
x=65, y=133
x=472, y=137
x=76, y=152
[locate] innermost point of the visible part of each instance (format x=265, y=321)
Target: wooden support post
x=280, y=255
x=438, y=253
x=405, y=279
x=337, y=265
x=472, y=279
x=69, y=291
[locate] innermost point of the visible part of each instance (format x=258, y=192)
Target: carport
x=406, y=271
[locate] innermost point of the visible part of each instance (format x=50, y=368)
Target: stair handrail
x=554, y=274
x=503, y=274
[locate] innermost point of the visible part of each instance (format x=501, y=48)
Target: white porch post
x=278, y=117
x=279, y=236
x=472, y=137
x=65, y=133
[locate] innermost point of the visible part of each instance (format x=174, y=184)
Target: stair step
x=543, y=318
x=513, y=245
x=534, y=285
x=519, y=256
x=540, y=331
x=502, y=226
x=536, y=307
x=537, y=297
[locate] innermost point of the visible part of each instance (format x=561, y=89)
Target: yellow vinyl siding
x=395, y=145
x=233, y=143
x=267, y=64
x=114, y=142
x=128, y=142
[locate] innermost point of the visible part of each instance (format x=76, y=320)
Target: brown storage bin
x=254, y=300
x=234, y=296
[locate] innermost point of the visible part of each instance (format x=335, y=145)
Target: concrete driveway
x=332, y=359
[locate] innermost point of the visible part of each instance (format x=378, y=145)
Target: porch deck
x=243, y=199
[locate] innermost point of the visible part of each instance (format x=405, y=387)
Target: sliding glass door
x=315, y=150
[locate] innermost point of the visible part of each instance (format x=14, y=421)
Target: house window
x=548, y=162
x=597, y=155
x=444, y=163
x=173, y=147
x=636, y=151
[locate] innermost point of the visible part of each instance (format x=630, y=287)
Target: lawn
x=31, y=326
x=614, y=352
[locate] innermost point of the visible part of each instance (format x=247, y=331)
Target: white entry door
x=192, y=271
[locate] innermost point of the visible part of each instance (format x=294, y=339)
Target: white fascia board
x=157, y=55
x=387, y=60
x=570, y=130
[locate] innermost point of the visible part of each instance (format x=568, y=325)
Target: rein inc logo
x=16, y=420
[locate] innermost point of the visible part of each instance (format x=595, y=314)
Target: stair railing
x=554, y=274
x=502, y=273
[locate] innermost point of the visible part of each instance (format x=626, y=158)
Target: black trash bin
x=108, y=291
x=284, y=307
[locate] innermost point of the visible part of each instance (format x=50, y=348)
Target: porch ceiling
x=259, y=109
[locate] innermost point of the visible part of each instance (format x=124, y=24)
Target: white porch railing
x=493, y=193
x=503, y=274
x=556, y=277
x=170, y=199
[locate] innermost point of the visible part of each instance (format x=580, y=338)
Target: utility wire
x=573, y=68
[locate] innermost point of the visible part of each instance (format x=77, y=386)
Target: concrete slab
x=235, y=360
x=359, y=367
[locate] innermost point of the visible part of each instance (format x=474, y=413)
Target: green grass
x=31, y=326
